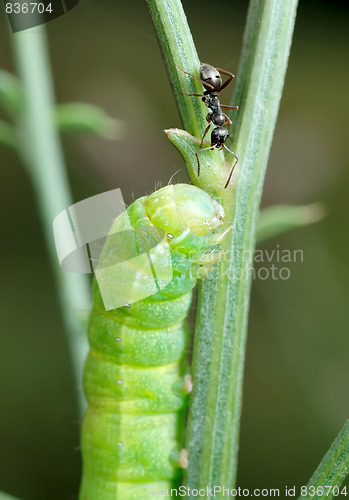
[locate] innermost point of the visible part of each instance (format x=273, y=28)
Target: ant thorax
x=217, y=119
x=212, y=102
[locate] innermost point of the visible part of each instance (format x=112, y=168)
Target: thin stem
x=332, y=470
x=41, y=151
x=177, y=46
x=219, y=348
x=178, y=49
x=220, y=337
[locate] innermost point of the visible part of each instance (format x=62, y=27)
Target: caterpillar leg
x=183, y=459
x=184, y=387
x=180, y=458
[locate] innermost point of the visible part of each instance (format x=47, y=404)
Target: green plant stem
x=333, y=468
x=214, y=419
x=219, y=343
x=41, y=151
x=177, y=46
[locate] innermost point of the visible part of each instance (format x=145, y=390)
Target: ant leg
x=191, y=95
x=203, y=137
x=207, y=86
x=197, y=156
x=232, y=170
x=223, y=106
x=226, y=83
x=227, y=120
x=209, y=121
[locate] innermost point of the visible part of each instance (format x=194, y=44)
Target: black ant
x=211, y=79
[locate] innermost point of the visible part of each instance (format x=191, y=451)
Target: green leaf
x=212, y=171
x=4, y=496
x=280, y=219
x=84, y=118
x=8, y=136
x=332, y=470
x=11, y=94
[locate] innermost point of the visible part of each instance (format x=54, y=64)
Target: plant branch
x=332, y=470
x=41, y=152
x=177, y=46
x=219, y=348
x=220, y=337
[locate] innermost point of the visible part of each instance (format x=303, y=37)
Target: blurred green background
x=297, y=372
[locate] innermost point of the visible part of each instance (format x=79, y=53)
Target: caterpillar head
x=175, y=228
x=181, y=209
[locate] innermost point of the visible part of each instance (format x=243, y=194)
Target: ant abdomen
x=218, y=136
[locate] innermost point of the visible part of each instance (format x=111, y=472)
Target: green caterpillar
x=136, y=376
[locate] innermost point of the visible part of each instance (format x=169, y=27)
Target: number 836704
x=323, y=491
x=28, y=8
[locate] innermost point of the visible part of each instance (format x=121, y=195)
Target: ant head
x=211, y=76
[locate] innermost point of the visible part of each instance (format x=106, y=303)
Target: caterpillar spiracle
x=136, y=374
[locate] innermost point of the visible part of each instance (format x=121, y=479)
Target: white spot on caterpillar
x=119, y=382
x=183, y=458
x=158, y=250
x=170, y=236
x=120, y=445
x=127, y=305
x=118, y=339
